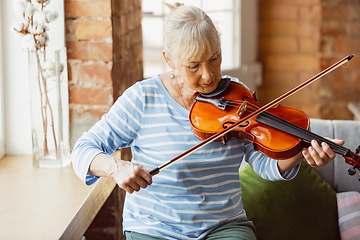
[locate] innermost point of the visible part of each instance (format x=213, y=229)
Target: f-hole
x=244, y=124
x=246, y=97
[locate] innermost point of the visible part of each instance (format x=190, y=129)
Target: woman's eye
x=193, y=67
x=214, y=58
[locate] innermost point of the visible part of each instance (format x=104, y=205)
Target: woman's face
x=201, y=75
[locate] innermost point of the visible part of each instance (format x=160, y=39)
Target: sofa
x=319, y=203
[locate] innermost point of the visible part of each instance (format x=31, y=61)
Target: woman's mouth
x=207, y=84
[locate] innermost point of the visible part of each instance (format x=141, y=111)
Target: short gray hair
x=189, y=33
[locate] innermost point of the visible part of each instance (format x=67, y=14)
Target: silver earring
x=172, y=75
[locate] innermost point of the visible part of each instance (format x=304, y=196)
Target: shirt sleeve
x=116, y=129
x=266, y=167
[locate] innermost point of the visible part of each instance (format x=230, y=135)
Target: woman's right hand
x=128, y=176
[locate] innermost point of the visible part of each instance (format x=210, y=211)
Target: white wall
x=16, y=94
x=2, y=129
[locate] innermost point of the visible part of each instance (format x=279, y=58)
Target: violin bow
x=258, y=111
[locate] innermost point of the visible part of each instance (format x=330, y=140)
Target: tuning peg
x=352, y=170
x=357, y=150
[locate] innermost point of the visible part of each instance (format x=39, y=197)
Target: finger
x=141, y=182
x=146, y=175
x=337, y=141
x=315, y=154
x=329, y=152
x=315, y=145
x=128, y=184
x=141, y=176
x=308, y=158
x=126, y=187
x=135, y=182
x=134, y=185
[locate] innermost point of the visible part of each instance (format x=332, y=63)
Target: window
x=2, y=133
x=237, y=23
x=15, y=89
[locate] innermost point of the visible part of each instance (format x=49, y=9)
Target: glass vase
x=49, y=108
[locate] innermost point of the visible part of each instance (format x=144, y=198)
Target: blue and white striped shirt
x=191, y=197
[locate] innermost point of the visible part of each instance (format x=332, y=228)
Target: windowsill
x=40, y=203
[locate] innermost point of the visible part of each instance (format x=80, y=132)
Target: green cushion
x=303, y=208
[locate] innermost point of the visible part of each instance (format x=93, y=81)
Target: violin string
x=337, y=148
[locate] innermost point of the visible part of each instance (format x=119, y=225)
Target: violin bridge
x=242, y=109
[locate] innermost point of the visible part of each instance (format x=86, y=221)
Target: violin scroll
x=354, y=161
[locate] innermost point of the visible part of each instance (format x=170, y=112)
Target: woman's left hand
x=319, y=155
x=315, y=155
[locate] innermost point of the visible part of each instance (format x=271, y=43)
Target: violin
x=231, y=111
x=279, y=133
x=236, y=101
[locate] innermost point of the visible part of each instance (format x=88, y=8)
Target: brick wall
x=340, y=35
x=89, y=44
x=299, y=38
x=104, y=42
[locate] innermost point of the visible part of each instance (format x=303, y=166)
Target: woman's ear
x=168, y=60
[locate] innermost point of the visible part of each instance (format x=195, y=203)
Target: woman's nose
x=207, y=73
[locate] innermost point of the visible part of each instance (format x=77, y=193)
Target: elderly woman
x=200, y=196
